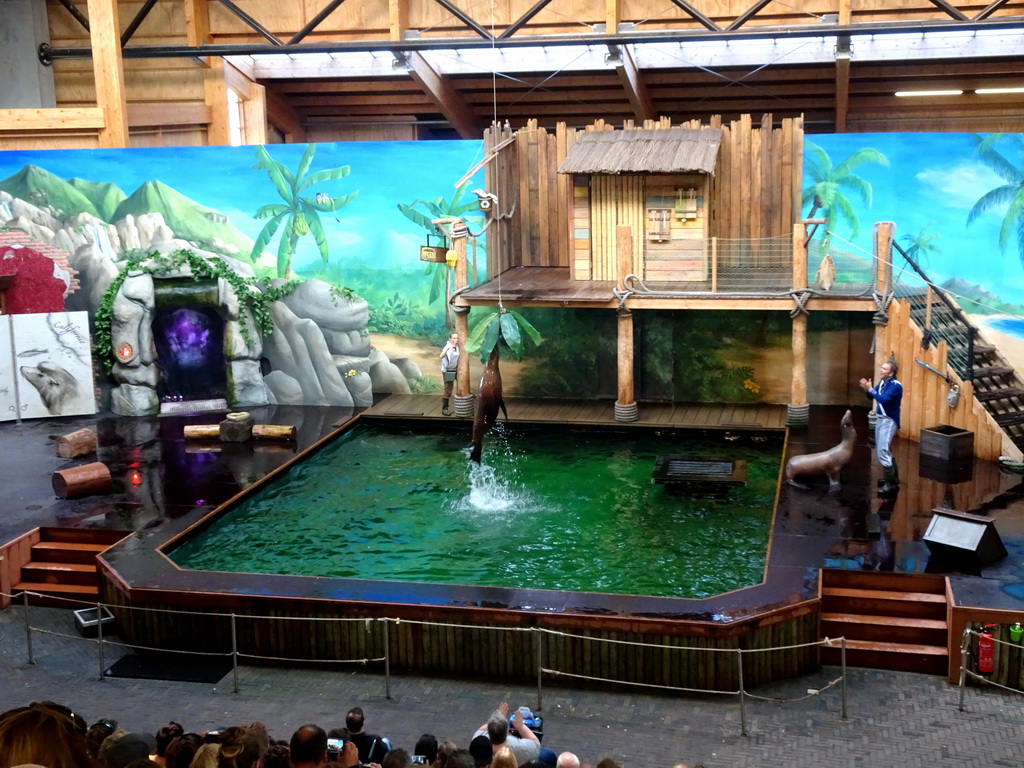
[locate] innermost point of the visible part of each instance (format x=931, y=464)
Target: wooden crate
x=946, y=443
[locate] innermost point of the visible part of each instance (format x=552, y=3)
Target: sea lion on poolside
x=831, y=462
x=488, y=400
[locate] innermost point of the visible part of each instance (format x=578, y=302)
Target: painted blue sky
x=371, y=228
x=935, y=178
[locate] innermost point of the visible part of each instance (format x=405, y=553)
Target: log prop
x=78, y=443
x=259, y=432
x=81, y=481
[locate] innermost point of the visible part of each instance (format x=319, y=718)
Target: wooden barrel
x=81, y=481
x=77, y=443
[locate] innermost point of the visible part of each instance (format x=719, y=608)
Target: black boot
x=895, y=476
x=891, y=485
x=444, y=407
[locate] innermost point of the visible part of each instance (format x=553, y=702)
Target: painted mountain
x=207, y=228
x=187, y=219
x=41, y=188
x=105, y=196
x=977, y=300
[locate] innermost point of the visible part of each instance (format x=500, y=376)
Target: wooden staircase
x=62, y=567
x=890, y=620
x=997, y=385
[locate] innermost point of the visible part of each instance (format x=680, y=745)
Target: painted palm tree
x=830, y=181
x=922, y=245
x=439, y=208
x=1010, y=194
x=300, y=215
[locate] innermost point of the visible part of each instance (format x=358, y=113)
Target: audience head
x=355, y=720
x=608, y=763
x=482, y=750
x=182, y=749
x=206, y=756
x=97, y=733
x=444, y=751
x=43, y=734
x=309, y=745
x=426, y=745
x=165, y=736
x=238, y=749
x=277, y=756
x=461, y=758
x=143, y=762
x=504, y=758
x=567, y=760
x=121, y=748
x=497, y=728
x=259, y=732
x=396, y=758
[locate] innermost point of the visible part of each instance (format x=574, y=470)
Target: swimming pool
x=553, y=508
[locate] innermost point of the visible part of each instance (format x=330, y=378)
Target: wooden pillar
x=216, y=93
x=625, y=403
x=798, y=410
x=883, y=285
x=105, y=36
x=463, y=395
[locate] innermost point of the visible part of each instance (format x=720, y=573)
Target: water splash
x=494, y=484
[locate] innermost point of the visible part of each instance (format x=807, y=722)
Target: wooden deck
x=600, y=412
x=554, y=287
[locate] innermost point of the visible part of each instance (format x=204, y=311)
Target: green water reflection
x=572, y=510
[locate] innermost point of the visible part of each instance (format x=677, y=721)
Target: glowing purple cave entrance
x=190, y=351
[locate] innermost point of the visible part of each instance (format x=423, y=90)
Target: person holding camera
x=523, y=743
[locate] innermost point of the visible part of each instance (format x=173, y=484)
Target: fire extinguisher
x=986, y=650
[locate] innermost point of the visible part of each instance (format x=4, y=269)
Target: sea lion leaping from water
x=488, y=400
x=831, y=462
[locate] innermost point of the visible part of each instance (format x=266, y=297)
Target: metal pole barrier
x=964, y=646
x=539, y=650
x=387, y=660
x=28, y=628
x=234, y=650
x=743, y=703
x=842, y=663
x=99, y=636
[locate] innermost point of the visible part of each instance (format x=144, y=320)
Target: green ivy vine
x=251, y=294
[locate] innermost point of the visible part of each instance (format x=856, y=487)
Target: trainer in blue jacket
x=888, y=395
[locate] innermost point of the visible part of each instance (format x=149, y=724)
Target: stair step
x=881, y=594
x=887, y=582
x=875, y=646
x=82, y=535
x=66, y=551
x=887, y=621
x=1009, y=419
x=896, y=629
x=60, y=573
x=991, y=371
x=999, y=394
x=983, y=349
x=877, y=602
x=73, y=596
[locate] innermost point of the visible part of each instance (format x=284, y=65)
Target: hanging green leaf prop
x=506, y=324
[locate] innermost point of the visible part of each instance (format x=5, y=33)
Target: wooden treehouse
x=695, y=217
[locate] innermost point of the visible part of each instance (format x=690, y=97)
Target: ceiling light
x=999, y=90
x=929, y=93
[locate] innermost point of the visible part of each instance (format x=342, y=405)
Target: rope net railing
x=377, y=648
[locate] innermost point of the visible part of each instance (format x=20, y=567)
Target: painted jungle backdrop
x=328, y=236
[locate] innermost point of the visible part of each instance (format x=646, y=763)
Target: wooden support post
x=105, y=37
x=463, y=395
x=883, y=284
x=714, y=265
x=625, y=404
x=216, y=91
x=798, y=410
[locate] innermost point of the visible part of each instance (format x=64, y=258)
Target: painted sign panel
x=53, y=362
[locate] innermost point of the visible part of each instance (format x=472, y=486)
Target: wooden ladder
x=890, y=620
x=62, y=567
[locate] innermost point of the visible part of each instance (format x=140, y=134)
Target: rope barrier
x=556, y=673
x=809, y=694
x=362, y=662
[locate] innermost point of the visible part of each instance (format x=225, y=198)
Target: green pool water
x=550, y=509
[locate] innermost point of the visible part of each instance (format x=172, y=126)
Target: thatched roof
x=668, y=150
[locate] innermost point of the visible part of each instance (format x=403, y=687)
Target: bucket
x=1016, y=632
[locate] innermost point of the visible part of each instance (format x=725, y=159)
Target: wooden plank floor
x=600, y=412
